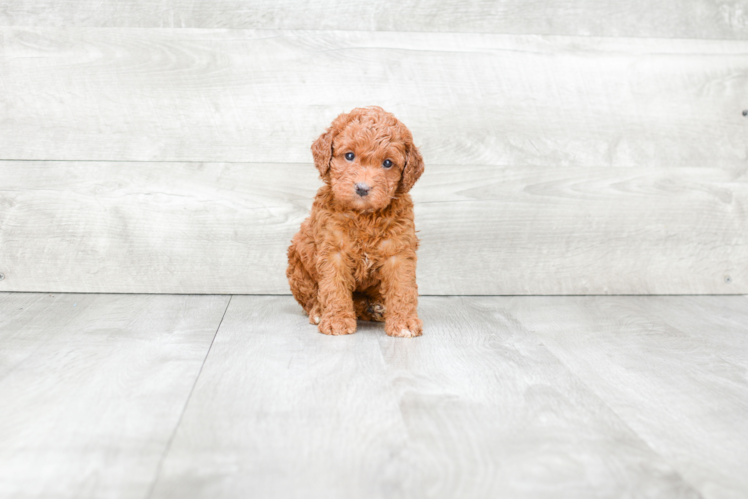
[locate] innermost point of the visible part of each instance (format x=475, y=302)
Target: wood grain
x=673, y=368
x=470, y=99
x=290, y=412
x=475, y=408
x=503, y=396
x=93, y=387
x=636, y=18
x=224, y=228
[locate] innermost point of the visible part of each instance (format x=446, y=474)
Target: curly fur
x=355, y=256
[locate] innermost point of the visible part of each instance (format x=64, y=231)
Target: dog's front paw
x=404, y=327
x=337, y=325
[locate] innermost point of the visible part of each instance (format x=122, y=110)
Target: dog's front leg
x=401, y=296
x=336, y=295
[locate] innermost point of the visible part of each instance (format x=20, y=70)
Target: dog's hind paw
x=367, y=309
x=314, y=315
x=376, y=312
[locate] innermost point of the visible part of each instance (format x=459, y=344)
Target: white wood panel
x=669, y=366
x=263, y=96
x=639, y=18
x=529, y=230
x=225, y=228
x=92, y=388
x=475, y=408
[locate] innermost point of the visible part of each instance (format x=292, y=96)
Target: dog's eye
x=387, y=163
x=349, y=156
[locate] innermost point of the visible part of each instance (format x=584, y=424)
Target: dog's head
x=367, y=157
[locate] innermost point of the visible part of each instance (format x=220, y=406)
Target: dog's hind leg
x=303, y=285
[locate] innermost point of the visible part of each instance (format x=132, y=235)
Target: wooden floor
x=226, y=396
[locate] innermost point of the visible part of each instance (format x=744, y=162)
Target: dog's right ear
x=322, y=147
x=322, y=151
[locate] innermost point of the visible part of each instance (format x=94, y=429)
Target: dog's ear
x=322, y=147
x=413, y=168
x=322, y=151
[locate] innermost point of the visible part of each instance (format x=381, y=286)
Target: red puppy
x=355, y=256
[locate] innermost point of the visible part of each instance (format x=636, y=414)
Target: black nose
x=362, y=189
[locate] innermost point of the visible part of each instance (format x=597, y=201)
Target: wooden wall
x=572, y=147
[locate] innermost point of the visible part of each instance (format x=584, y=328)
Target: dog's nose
x=362, y=189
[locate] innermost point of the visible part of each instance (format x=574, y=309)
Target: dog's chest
x=368, y=252
x=369, y=246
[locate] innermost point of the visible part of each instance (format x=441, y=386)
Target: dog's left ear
x=413, y=168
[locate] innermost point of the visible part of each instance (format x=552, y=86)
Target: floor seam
x=399, y=454
x=184, y=408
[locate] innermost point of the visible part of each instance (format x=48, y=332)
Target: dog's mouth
x=361, y=203
x=366, y=204
x=362, y=197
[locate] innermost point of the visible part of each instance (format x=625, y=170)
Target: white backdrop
x=571, y=147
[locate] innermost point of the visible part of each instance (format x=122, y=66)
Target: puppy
x=355, y=256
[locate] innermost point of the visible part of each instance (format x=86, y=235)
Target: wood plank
x=526, y=231
x=636, y=18
x=93, y=387
x=475, y=408
x=263, y=96
x=280, y=410
x=698, y=316
x=670, y=367
x=224, y=228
